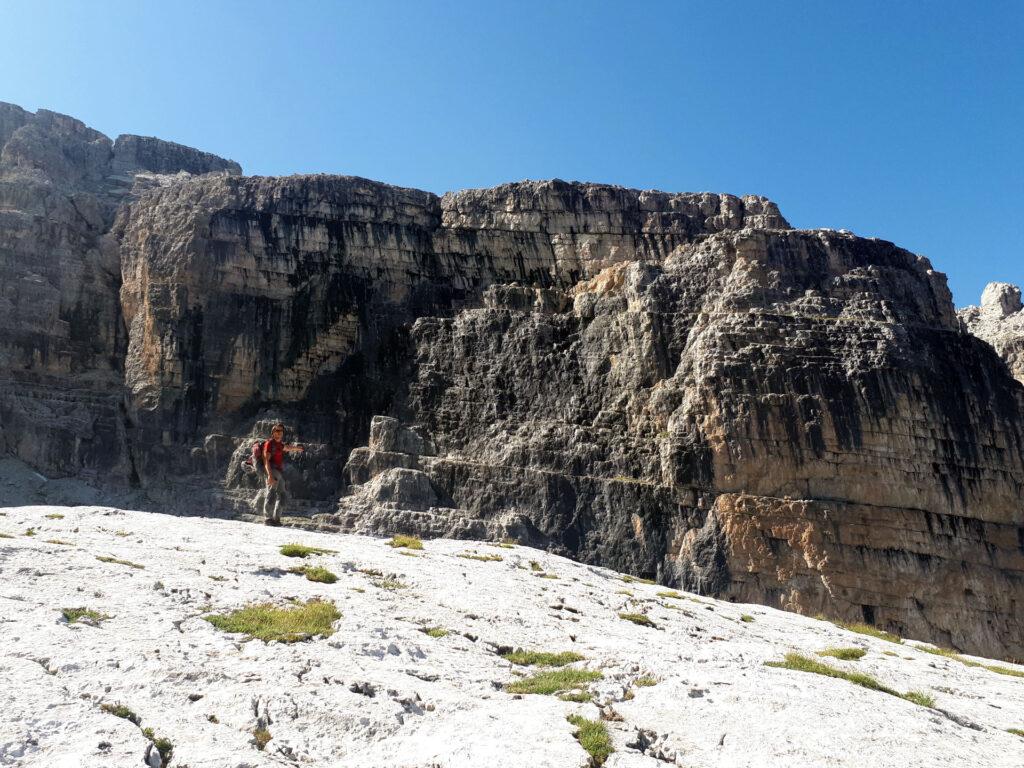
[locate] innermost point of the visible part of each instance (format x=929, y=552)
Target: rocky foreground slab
x=109, y=658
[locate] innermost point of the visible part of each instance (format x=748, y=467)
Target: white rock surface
x=380, y=692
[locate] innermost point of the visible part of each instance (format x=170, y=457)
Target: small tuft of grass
x=55, y=516
x=481, y=558
x=390, y=583
x=71, y=615
x=577, y=697
x=869, y=630
x=109, y=559
x=215, y=577
x=301, y=550
x=407, y=553
x=262, y=737
x=554, y=681
x=212, y=719
x=920, y=698
x=61, y=542
x=314, y=573
x=506, y=544
x=593, y=737
x=746, y=618
x=804, y=664
x=845, y=654
x=535, y=566
x=30, y=532
x=541, y=658
x=547, y=576
x=671, y=594
x=6, y=536
x=122, y=533
x=122, y=711
x=408, y=542
x=801, y=663
x=646, y=681
x=370, y=572
x=163, y=745
x=1016, y=731
x=269, y=622
x=949, y=653
x=436, y=631
x=638, y=618
x=636, y=579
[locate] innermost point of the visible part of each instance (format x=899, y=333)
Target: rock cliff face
x=677, y=385
x=62, y=336
x=1000, y=321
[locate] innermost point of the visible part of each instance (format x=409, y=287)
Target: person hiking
x=273, y=497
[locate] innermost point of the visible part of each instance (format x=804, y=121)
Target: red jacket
x=274, y=451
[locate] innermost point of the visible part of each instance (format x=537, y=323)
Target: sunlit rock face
x=62, y=336
x=676, y=385
x=1000, y=321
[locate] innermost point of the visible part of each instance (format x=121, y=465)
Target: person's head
x=277, y=431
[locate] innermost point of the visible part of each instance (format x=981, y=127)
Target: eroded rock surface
x=1000, y=321
x=692, y=688
x=677, y=385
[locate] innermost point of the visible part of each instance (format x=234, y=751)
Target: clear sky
x=901, y=120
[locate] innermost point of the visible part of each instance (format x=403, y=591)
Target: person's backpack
x=255, y=457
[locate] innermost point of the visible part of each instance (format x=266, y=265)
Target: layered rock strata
x=62, y=336
x=677, y=385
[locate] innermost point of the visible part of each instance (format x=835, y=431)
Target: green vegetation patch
x=122, y=711
x=408, y=542
x=436, y=631
x=746, y=618
x=55, y=516
x=163, y=745
x=949, y=653
x=6, y=536
x=482, y=558
x=593, y=737
x=646, y=681
x=268, y=622
x=301, y=550
x=390, y=583
x=554, y=681
x=869, y=630
x=314, y=573
x=636, y=580
x=639, y=618
x=61, y=542
x=1016, y=731
x=577, y=697
x=541, y=658
x=920, y=698
x=30, y=531
x=671, y=594
x=845, y=654
x=262, y=737
x=804, y=664
x=71, y=615
x=109, y=559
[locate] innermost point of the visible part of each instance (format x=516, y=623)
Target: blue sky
x=901, y=120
